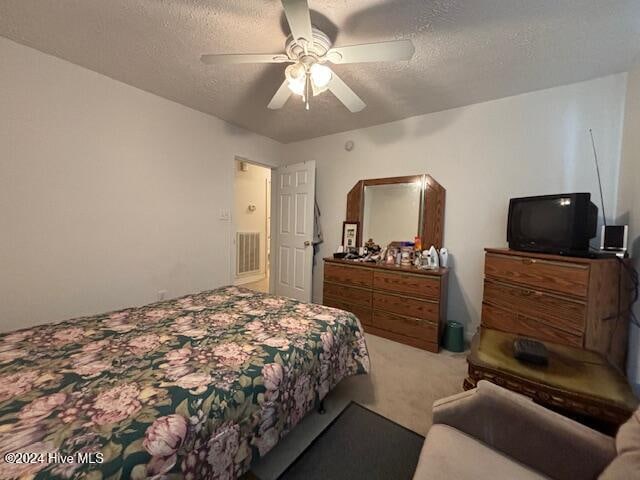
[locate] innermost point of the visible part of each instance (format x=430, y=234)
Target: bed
x=196, y=387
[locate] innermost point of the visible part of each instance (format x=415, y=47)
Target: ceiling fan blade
x=347, y=96
x=244, y=58
x=281, y=97
x=372, y=52
x=299, y=19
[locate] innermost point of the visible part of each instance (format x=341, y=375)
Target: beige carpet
x=405, y=381
x=260, y=285
x=403, y=384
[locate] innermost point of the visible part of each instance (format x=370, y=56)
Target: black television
x=560, y=224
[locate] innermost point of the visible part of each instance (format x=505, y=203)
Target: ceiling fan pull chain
x=307, y=90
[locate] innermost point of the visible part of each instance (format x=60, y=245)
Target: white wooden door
x=293, y=256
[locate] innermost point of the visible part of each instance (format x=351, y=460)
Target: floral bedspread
x=193, y=388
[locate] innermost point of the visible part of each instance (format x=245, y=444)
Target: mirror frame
x=433, y=208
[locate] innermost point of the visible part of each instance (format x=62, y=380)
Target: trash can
x=454, y=337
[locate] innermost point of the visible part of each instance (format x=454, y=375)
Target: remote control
x=530, y=351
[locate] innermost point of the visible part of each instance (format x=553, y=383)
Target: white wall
x=482, y=154
x=108, y=194
x=629, y=204
x=251, y=189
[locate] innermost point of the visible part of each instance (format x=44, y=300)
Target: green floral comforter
x=193, y=388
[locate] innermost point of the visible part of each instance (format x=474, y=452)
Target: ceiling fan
x=308, y=50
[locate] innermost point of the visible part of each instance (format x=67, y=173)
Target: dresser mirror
x=398, y=209
x=392, y=212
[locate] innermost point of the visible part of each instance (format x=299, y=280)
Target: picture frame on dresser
x=350, y=232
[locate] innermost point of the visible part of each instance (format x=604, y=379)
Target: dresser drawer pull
x=532, y=261
x=531, y=293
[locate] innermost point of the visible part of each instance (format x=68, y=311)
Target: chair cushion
x=627, y=463
x=450, y=454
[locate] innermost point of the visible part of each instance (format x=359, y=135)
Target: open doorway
x=252, y=219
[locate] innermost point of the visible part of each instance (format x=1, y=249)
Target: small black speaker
x=614, y=238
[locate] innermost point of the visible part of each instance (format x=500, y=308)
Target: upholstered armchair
x=490, y=432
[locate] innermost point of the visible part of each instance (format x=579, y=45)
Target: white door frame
x=232, y=233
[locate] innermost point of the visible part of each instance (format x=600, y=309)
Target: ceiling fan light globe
x=317, y=90
x=295, y=72
x=320, y=75
x=296, y=86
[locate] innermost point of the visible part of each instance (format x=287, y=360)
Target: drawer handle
x=531, y=293
x=528, y=261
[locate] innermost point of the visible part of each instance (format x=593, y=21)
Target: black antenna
x=595, y=156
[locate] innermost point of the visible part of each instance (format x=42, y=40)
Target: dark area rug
x=359, y=444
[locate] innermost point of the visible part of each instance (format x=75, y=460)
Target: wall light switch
x=225, y=215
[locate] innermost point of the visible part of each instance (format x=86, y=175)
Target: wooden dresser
x=566, y=300
x=403, y=304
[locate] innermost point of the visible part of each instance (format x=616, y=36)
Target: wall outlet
x=162, y=295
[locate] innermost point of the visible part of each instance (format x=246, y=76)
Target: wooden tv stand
x=578, y=302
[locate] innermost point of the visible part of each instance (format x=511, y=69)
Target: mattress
x=196, y=387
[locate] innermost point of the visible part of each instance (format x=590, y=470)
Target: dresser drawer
x=352, y=295
x=413, y=285
x=570, y=278
x=364, y=314
x=509, y=321
x=406, y=306
x=360, y=277
x=410, y=327
x=562, y=313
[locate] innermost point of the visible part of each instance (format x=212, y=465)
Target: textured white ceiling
x=466, y=51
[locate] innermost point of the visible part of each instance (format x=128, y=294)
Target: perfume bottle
x=417, y=242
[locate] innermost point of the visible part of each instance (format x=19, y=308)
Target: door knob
x=307, y=243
